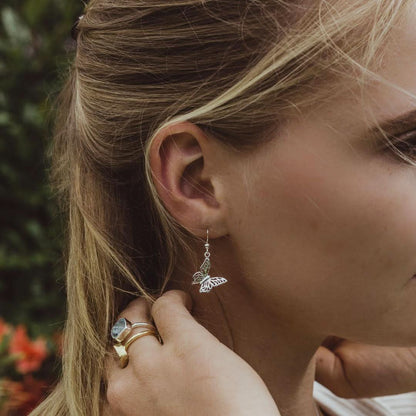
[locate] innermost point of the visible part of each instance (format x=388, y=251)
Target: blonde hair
x=238, y=69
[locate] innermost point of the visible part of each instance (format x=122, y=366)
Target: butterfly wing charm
x=204, y=279
x=211, y=282
x=205, y=266
x=197, y=278
x=203, y=273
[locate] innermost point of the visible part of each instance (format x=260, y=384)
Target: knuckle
x=173, y=293
x=169, y=298
x=137, y=307
x=135, y=303
x=161, y=303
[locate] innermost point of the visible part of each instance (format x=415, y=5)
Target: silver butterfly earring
x=203, y=278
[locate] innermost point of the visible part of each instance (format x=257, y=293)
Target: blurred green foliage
x=35, y=47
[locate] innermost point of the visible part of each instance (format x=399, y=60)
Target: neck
x=279, y=351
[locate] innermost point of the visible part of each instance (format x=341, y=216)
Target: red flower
x=30, y=354
x=22, y=397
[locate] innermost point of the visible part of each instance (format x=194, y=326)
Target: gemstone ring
x=123, y=327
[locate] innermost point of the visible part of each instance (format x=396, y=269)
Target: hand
x=353, y=370
x=192, y=373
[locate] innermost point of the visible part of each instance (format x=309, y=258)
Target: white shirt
x=395, y=405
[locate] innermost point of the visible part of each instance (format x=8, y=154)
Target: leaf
x=16, y=30
x=31, y=114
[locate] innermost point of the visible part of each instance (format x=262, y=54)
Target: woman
x=284, y=129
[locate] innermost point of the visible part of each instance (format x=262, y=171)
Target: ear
x=183, y=164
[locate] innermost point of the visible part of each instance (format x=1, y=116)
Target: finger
x=142, y=351
x=331, y=373
x=171, y=313
x=138, y=310
x=332, y=341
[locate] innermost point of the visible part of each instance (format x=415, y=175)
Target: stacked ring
x=120, y=332
x=123, y=327
x=137, y=336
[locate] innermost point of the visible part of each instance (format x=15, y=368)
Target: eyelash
x=405, y=143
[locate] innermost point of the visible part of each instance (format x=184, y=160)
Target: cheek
x=333, y=232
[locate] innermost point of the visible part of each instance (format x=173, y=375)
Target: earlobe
x=177, y=161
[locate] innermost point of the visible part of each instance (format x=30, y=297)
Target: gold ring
x=142, y=325
x=137, y=336
x=121, y=349
x=123, y=327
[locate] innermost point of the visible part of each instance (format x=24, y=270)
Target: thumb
x=331, y=373
x=184, y=297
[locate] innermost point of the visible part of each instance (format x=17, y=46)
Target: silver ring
x=123, y=327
